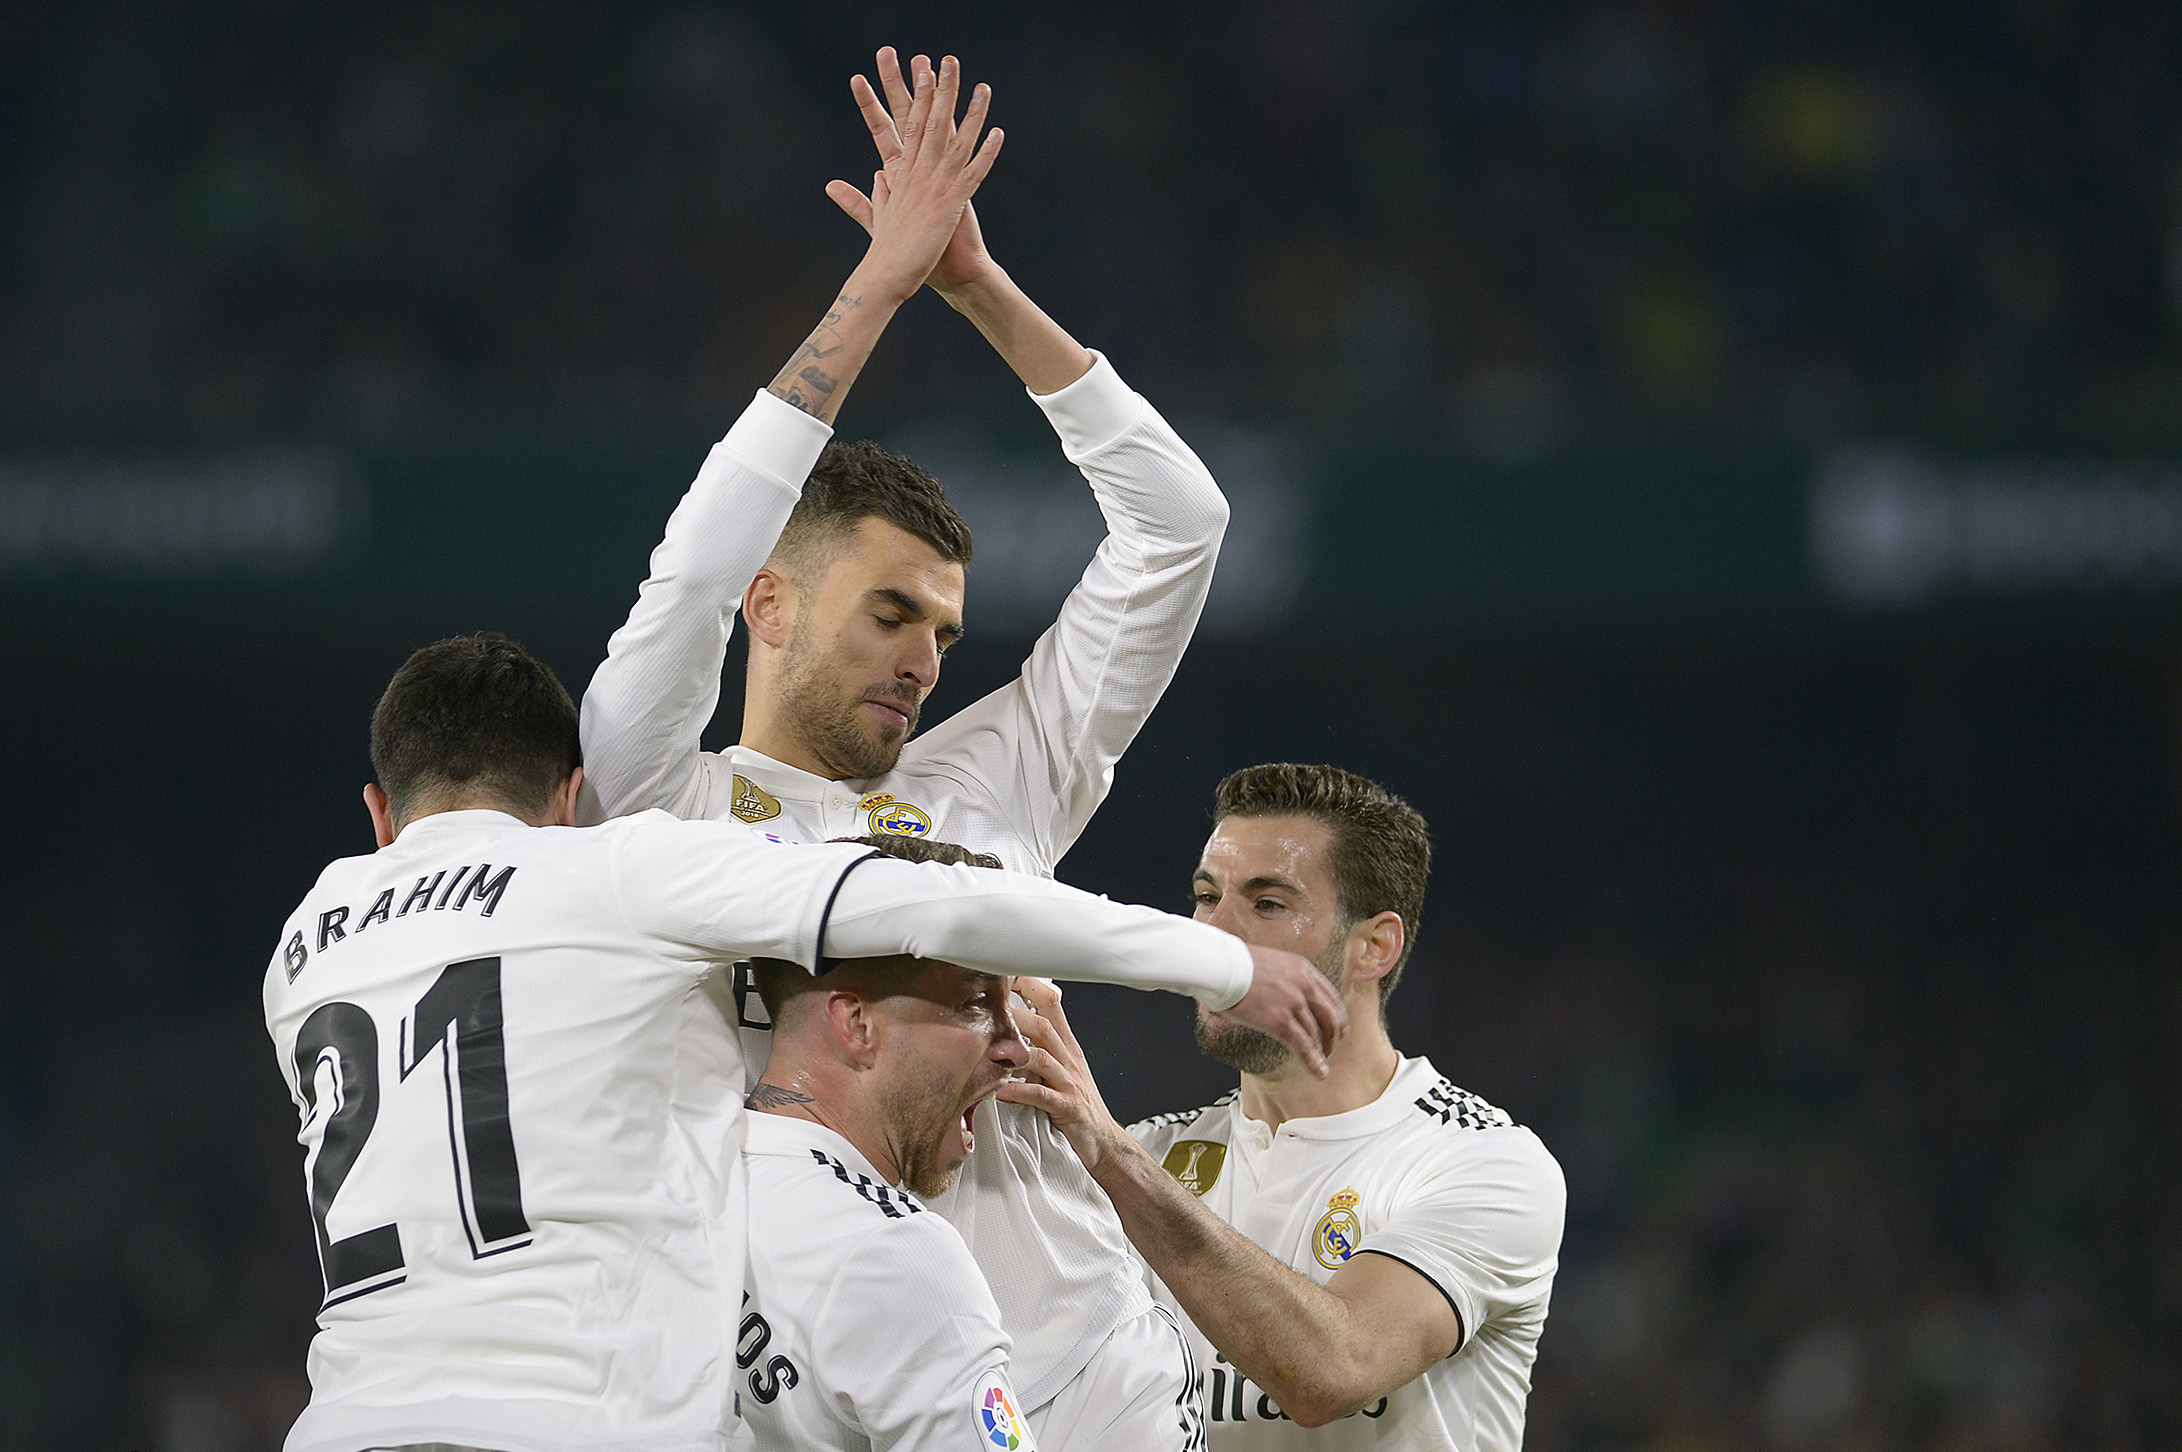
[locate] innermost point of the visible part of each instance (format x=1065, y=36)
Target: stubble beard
x=921, y=1120
x=820, y=712
x=1253, y=1051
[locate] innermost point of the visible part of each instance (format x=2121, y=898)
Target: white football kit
x=1017, y=774
x=1427, y=1174
x=866, y=1326
x=520, y=1104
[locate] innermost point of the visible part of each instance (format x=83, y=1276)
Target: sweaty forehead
x=1284, y=849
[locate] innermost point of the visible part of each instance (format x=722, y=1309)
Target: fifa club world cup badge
x=1003, y=1429
x=753, y=803
x=1339, y=1231
x=893, y=818
x=1196, y=1163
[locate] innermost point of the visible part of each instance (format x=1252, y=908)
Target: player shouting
x=1365, y=1257
x=851, y=600
x=868, y=1327
x=520, y=1114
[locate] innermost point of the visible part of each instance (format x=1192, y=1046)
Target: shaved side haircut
x=1380, y=855
x=473, y=716
x=858, y=481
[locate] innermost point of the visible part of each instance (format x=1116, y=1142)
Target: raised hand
x=930, y=168
x=1040, y=350
x=964, y=261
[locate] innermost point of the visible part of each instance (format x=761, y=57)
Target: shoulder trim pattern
x=895, y=1204
x=1184, y=1116
x=1449, y=1105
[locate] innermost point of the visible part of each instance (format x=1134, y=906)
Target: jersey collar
x=1411, y=1078
x=783, y=780
x=781, y=1134
x=470, y=819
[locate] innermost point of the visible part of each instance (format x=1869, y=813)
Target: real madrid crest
x=753, y=803
x=1339, y=1232
x=894, y=818
x=1196, y=1163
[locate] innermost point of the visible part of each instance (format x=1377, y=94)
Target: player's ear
x=854, y=1022
x=768, y=607
x=1375, y=946
x=382, y=815
x=564, y=801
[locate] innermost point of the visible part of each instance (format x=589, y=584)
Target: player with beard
x=867, y=1324
x=1366, y=1256
x=852, y=593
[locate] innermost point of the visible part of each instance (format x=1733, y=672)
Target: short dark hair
x=772, y=974
x=1381, y=852
x=857, y=481
x=474, y=716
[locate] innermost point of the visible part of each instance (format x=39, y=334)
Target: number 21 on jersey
x=337, y=1070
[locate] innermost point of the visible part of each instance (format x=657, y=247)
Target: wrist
x=980, y=294
x=876, y=285
x=1122, y=1163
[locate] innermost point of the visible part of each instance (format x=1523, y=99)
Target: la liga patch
x=997, y=1419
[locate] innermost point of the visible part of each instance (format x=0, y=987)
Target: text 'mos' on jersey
x=519, y=1101
x=866, y=1324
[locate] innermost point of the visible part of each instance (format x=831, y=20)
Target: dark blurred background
x=1723, y=462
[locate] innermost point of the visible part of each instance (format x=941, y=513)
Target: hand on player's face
x=866, y=647
x=1266, y=880
x=1061, y=1084
x=954, y=1040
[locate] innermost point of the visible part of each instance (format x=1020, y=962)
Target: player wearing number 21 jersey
x=519, y=1110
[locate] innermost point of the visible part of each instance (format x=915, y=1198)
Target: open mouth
x=967, y=1123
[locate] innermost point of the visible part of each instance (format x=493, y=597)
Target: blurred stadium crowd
x=1852, y=1013
x=235, y=214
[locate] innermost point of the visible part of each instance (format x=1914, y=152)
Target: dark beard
x=809, y=700
x=1253, y=1051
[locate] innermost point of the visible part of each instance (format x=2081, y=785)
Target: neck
x=767, y=734
x=1362, y=1065
x=798, y=1092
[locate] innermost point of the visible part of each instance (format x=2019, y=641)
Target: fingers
x=890, y=77
x=852, y=201
x=973, y=120
x=1024, y=1091
x=1051, y=1019
x=1042, y=996
x=982, y=163
x=1302, y=1036
x=876, y=118
x=939, y=122
x=913, y=128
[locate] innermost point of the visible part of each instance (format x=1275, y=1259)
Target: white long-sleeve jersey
x=521, y=1104
x=1426, y=1174
x=867, y=1327
x=1017, y=774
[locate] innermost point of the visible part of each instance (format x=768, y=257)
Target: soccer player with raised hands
x=849, y=567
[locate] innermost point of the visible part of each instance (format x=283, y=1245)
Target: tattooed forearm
x=772, y=1096
x=817, y=378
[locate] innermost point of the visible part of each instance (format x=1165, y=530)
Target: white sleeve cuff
x=778, y=440
x=1094, y=411
x=1242, y=973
